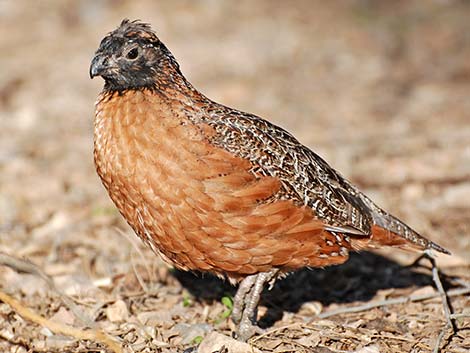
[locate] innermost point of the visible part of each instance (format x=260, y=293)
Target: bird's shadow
x=359, y=279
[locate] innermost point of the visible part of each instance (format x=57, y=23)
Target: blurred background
x=380, y=89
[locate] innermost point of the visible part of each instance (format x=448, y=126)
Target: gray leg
x=244, y=288
x=246, y=303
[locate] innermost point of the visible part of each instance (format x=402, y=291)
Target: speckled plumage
x=214, y=189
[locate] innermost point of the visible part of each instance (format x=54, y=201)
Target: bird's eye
x=132, y=54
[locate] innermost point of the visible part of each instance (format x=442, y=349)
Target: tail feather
x=380, y=237
x=389, y=230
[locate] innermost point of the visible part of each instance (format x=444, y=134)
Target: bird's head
x=131, y=57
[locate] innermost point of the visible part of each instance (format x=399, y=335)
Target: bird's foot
x=248, y=329
x=244, y=313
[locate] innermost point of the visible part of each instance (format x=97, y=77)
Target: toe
x=246, y=330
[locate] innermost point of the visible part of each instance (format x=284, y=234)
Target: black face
x=129, y=57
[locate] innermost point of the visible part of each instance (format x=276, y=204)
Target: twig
x=26, y=266
x=450, y=323
x=276, y=329
x=445, y=304
x=459, y=315
x=416, y=263
x=404, y=339
x=398, y=300
x=138, y=276
x=58, y=328
x=439, y=339
x=134, y=244
x=441, y=292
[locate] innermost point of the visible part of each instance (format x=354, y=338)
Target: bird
x=214, y=189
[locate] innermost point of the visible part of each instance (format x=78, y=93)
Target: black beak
x=98, y=66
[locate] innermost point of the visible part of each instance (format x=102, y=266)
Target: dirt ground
x=380, y=89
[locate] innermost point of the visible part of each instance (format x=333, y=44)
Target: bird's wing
x=308, y=180
x=305, y=177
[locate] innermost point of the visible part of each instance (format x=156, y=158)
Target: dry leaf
x=117, y=312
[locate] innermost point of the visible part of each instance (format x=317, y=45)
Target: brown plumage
x=210, y=188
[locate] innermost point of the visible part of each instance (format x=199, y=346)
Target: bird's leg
x=244, y=288
x=255, y=284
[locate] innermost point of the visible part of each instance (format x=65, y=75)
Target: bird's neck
x=176, y=88
x=170, y=82
x=170, y=86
